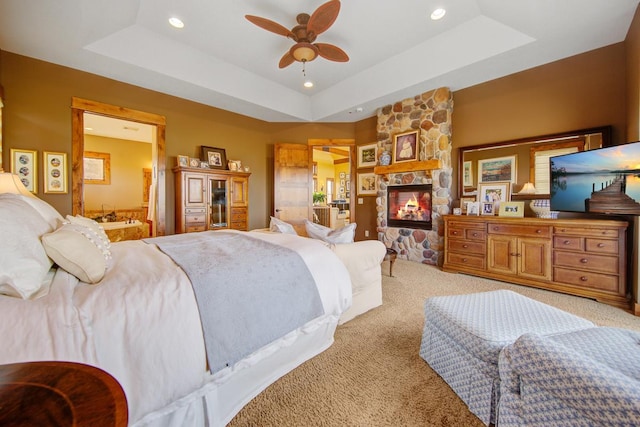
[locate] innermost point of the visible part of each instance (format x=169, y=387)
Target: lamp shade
x=10, y=183
x=528, y=188
x=304, y=52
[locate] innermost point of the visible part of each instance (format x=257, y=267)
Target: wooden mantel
x=421, y=165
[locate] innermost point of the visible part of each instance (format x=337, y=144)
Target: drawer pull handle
x=474, y=234
x=584, y=278
x=454, y=233
x=601, y=245
x=515, y=254
x=566, y=242
x=538, y=231
x=465, y=246
x=584, y=260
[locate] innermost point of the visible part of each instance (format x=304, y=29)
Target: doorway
x=158, y=163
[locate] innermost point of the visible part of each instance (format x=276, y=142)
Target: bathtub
x=123, y=230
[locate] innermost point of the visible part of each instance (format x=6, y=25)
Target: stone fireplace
x=429, y=112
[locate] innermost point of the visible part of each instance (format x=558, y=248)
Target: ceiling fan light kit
x=305, y=33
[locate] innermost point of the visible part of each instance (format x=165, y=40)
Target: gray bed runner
x=249, y=292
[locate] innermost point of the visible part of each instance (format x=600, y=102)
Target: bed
x=141, y=320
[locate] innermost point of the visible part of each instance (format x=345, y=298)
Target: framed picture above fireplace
x=405, y=146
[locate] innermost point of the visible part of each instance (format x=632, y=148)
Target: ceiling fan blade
x=286, y=60
x=331, y=52
x=270, y=25
x=323, y=17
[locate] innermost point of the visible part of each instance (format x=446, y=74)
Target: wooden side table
x=391, y=257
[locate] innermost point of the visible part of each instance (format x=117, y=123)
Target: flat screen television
x=601, y=181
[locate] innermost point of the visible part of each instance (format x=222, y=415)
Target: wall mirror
x=522, y=161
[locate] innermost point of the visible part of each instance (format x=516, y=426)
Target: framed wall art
x=183, y=161
x=495, y=192
x=405, y=146
x=55, y=172
x=512, y=209
x=497, y=169
x=97, y=168
x=216, y=157
x=486, y=208
x=24, y=163
x=367, y=155
x=467, y=174
x=367, y=184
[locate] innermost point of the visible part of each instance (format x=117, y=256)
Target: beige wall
x=632, y=45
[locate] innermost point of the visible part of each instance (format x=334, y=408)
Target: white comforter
x=141, y=322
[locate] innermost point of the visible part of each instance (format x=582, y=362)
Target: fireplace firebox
x=409, y=206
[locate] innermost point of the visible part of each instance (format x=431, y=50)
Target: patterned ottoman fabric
x=583, y=378
x=464, y=334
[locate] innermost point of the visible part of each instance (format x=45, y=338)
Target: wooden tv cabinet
x=575, y=256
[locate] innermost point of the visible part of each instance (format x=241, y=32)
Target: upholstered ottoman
x=464, y=334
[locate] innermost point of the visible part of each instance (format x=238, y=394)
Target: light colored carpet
x=373, y=375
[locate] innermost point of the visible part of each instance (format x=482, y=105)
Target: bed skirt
x=227, y=392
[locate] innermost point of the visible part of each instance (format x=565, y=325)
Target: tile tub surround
x=431, y=113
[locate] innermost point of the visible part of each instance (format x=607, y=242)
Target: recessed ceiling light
x=308, y=84
x=438, y=13
x=176, y=22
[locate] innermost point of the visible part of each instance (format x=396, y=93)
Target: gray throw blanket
x=249, y=292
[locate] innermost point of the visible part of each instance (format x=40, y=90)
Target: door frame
x=80, y=106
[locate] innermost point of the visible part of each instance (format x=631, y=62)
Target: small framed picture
x=512, y=209
x=405, y=146
x=457, y=211
x=97, y=168
x=183, y=161
x=367, y=155
x=24, y=163
x=467, y=174
x=216, y=157
x=473, y=208
x=55, y=172
x=464, y=201
x=487, y=208
x=494, y=192
x=367, y=184
x=497, y=169
x=194, y=163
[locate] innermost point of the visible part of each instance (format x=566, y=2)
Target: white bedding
x=141, y=324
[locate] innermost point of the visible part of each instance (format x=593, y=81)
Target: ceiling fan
x=305, y=33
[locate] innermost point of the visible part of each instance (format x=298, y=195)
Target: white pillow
x=24, y=263
x=99, y=236
x=48, y=212
x=73, y=247
x=278, y=226
x=345, y=234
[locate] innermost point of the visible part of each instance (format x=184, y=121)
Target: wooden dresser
x=211, y=199
x=574, y=256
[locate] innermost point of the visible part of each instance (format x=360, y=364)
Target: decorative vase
x=385, y=158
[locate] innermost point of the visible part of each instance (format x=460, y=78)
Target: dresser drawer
x=586, y=279
x=471, y=261
x=570, y=243
x=586, y=232
x=603, y=264
x=194, y=219
x=602, y=246
x=467, y=233
x=520, y=230
x=194, y=210
x=192, y=228
x=467, y=247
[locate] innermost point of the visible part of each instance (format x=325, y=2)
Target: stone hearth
x=431, y=113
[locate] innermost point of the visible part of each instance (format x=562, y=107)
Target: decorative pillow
x=345, y=234
x=73, y=247
x=24, y=263
x=99, y=236
x=278, y=226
